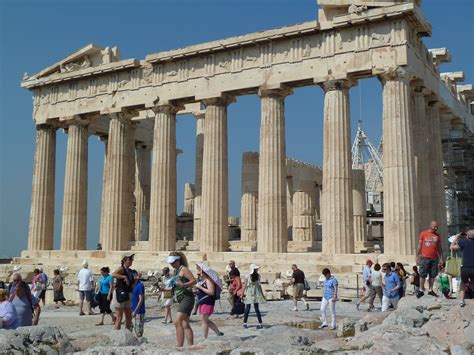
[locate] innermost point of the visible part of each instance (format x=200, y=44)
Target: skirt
x=59, y=296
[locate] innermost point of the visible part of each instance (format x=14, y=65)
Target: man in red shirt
x=429, y=256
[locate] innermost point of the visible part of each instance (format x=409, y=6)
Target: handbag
x=238, y=308
x=122, y=295
x=453, y=265
x=306, y=285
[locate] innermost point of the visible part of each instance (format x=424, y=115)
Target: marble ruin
x=131, y=106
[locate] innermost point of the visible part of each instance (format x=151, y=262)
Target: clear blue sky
x=35, y=34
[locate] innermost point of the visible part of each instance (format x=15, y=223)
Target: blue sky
x=35, y=34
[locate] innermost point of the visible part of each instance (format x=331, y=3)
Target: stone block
x=346, y=328
x=273, y=295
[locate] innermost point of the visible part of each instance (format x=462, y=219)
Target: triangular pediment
x=86, y=57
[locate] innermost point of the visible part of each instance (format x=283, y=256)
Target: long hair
x=254, y=276
x=182, y=257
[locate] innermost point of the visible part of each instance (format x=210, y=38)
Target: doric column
x=248, y=206
x=398, y=166
x=337, y=209
x=272, y=230
x=188, y=198
x=304, y=222
x=214, y=201
x=142, y=190
x=435, y=157
x=131, y=146
x=105, y=140
x=163, y=180
x=119, y=179
x=198, y=178
x=360, y=209
x=41, y=229
x=74, y=223
x=421, y=147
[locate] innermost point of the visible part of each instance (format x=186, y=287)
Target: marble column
x=272, y=227
x=436, y=170
x=163, y=180
x=105, y=140
x=41, y=228
x=304, y=222
x=188, y=199
x=398, y=166
x=214, y=200
x=360, y=209
x=198, y=179
x=142, y=190
x=74, y=223
x=248, y=204
x=421, y=147
x=118, y=202
x=337, y=208
x=132, y=157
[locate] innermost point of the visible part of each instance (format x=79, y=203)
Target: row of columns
x=211, y=186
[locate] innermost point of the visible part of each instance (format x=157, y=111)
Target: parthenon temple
x=132, y=105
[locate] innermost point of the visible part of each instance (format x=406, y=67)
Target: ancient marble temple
x=131, y=106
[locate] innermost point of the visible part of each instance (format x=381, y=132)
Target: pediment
x=86, y=57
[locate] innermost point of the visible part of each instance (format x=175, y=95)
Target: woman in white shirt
x=376, y=282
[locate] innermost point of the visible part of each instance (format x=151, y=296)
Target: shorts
x=298, y=290
x=186, y=304
x=139, y=324
x=124, y=305
x=466, y=274
x=206, y=309
x=85, y=295
x=42, y=295
x=428, y=267
x=168, y=302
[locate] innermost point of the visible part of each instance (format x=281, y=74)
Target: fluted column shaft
x=421, y=148
x=272, y=229
x=360, y=208
x=435, y=157
x=248, y=205
x=142, y=191
x=198, y=177
x=398, y=167
x=214, y=201
x=104, y=139
x=74, y=223
x=303, y=215
x=337, y=208
x=118, y=203
x=163, y=180
x=41, y=228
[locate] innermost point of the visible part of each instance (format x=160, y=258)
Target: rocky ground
x=424, y=326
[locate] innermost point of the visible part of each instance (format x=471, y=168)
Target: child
x=415, y=279
x=167, y=293
x=138, y=303
x=445, y=282
x=58, y=288
x=329, y=298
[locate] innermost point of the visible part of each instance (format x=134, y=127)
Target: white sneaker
x=333, y=327
x=322, y=326
x=295, y=309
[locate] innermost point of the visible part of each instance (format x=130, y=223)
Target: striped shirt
x=330, y=288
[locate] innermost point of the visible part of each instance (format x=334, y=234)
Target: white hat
x=253, y=267
x=172, y=258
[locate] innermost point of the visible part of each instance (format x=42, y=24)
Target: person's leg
x=332, y=308
x=139, y=324
x=394, y=302
x=380, y=293
x=246, y=313
x=385, y=303
x=324, y=304
x=306, y=304
x=205, y=325
x=373, y=293
x=178, y=323
x=81, y=302
x=295, y=298
x=128, y=318
x=118, y=318
x=257, y=311
x=188, y=332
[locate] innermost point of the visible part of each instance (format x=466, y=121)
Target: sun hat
x=172, y=258
x=253, y=267
x=127, y=255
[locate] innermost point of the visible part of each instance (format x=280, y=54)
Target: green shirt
x=443, y=281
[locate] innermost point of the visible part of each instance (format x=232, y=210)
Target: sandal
x=462, y=304
x=99, y=324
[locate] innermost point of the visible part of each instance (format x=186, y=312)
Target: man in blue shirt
x=367, y=288
x=466, y=244
x=138, y=304
x=329, y=298
x=390, y=287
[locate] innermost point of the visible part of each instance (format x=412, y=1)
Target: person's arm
x=139, y=304
x=111, y=290
x=399, y=284
x=189, y=275
x=118, y=275
x=334, y=297
x=450, y=278
x=440, y=252
x=455, y=244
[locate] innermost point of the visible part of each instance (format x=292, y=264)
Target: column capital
x=198, y=115
x=344, y=84
x=219, y=101
x=397, y=73
x=420, y=90
x=281, y=91
x=167, y=108
x=75, y=120
x=45, y=127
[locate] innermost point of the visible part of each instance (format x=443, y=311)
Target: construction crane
x=364, y=152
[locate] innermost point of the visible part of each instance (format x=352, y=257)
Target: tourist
x=367, y=288
x=207, y=291
x=22, y=300
x=58, y=288
x=376, y=283
x=37, y=284
x=44, y=277
x=138, y=303
x=85, y=281
x=298, y=281
x=36, y=310
x=415, y=279
x=429, y=256
x=400, y=269
x=8, y=316
x=391, y=285
x=393, y=265
x=123, y=292
x=228, y=280
x=167, y=293
x=253, y=295
x=184, y=281
x=445, y=282
x=104, y=294
x=466, y=245
x=236, y=290
x=329, y=298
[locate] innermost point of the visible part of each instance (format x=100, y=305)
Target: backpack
x=217, y=293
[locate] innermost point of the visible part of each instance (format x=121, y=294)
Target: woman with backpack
x=124, y=292
x=208, y=291
x=253, y=295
